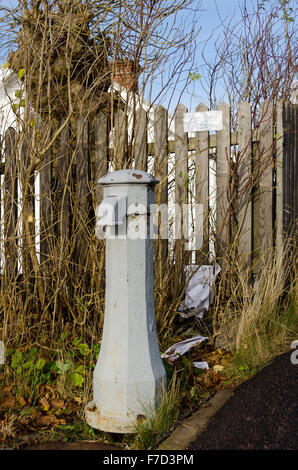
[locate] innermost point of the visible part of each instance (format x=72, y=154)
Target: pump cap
x=128, y=177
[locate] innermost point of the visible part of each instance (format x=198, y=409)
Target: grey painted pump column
x=129, y=375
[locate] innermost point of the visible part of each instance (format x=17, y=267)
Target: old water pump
x=129, y=377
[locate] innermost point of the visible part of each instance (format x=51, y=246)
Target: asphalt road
x=262, y=413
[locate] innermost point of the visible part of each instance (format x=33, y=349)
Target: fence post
x=202, y=186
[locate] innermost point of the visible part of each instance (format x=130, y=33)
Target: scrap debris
x=201, y=365
x=199, y=293
x=182, y=347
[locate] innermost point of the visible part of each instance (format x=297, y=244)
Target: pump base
x=119, y=424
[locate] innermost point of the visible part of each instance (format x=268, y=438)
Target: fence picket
x=295, y=188
x=47, y=237
x=265, y=232
x=244, y=185
x=286, y=172
x=101, y=152
x=121, y=139
x=279, y=176
x=82, y=192
x=140, y=143
x=10, y=206
x=293, y=167
x=161, y=170
x=202, y=186
x=181, y=189
x=28, y=210
x=63, y=175
x=222, y=182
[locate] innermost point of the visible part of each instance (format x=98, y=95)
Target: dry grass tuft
x=259, y=321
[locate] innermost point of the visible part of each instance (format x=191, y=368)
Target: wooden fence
x=256, y=181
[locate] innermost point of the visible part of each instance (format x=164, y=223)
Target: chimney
x=126, y=74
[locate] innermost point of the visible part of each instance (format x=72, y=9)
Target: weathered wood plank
x=140, y=141
x=47, y=236
x=101, y=153
x=289, y=222
x=293, y=167
x=222, y=182
x=181, y=157
x=296, y=168
x=120, y=144
x=244, y=185
x=202, y=187
x=286, y=188
x=265, y=234
x=10, y=206
x=181, y=191
x=161, y=172
x=192, y=142
x=255, y=205
x=82, y=192
x=31, y=270
x=28, y=211
x=63, y=175
x=279, y=176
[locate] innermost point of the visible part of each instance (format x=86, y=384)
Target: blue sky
x=208, y=21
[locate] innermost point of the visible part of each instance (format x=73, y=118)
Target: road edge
x=189, y=430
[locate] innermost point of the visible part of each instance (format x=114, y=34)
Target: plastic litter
x=199, y=293
x=201, y=365
x=178, y=349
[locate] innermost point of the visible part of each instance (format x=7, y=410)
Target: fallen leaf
x=57, y=404
x=44, y=404
x=8, y=401
x=78, y=399
x=21, y=401
x=218, y=368
x=44, y=421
